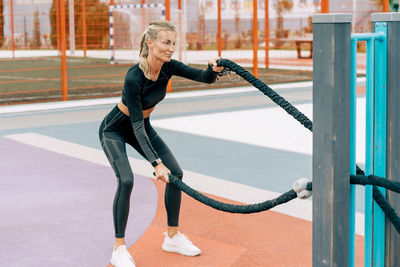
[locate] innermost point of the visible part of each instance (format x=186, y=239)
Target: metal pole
x=266, y=37
x=12, y=28
x=324, y=6
x=219, y=29
x=168, y=17
x=64, y=78
x=369, y=155
x=331, y=139
x=385, y=7
x=392, y=238
x=255, y=38
x=180, y=46
x=144, y=24
x=380, y=138
x=168, y=10
x=84, y=27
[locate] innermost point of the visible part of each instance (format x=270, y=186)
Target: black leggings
x=114, y=132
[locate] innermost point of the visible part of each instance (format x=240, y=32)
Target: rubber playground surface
x=236, y=146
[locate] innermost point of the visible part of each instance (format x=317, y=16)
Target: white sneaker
x=179, y=243
x=121, y=258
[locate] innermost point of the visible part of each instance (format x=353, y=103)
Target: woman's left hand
x=213, y=64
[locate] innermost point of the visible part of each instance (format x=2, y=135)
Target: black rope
x=290, y=195
x=274, y=96
x=244, y=209
x=285, y=197
x=387, y=209
x=360, y=178
x=375, y=180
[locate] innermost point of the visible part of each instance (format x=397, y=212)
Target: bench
x=298, y=43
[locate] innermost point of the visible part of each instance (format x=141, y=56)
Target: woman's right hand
x=162, y=172
x=213, y=64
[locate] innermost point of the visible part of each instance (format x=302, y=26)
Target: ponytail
x=144, y=53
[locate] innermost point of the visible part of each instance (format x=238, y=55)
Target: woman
x=129, y=122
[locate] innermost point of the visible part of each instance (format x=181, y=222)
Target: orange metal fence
x=46, y=55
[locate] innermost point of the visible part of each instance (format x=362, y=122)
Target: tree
x=97, y=22
x=281, y=7
x=1, y=24
x=393, y=5
x=98, y=28
x=36, y=30
x=122, y=38
x=25, y=34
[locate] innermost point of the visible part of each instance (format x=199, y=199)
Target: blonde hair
x=151, y=33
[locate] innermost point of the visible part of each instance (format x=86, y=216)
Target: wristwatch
x=155, y=162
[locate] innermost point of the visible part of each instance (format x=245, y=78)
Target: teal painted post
x=353, y=108
x=380, y=140
x=369, y=149
x=392, y=238
x=375, y=137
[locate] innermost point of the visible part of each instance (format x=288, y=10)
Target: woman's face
x=164, y=46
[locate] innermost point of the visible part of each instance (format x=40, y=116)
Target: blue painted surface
x=261, y=167
x=375, y=137
x=369, y=150
x=380, y=141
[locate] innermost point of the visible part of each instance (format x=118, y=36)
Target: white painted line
x=173, y=95
x=297, y=208
x=58, y=105
x=269, y=127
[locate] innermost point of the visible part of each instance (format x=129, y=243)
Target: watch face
x=156, y=162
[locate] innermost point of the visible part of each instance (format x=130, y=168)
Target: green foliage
x=122, y=38
x=97, y=26
x=393, y=5
x=97, y=29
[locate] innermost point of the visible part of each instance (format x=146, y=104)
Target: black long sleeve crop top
x=140, y=93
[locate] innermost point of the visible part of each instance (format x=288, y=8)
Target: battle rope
x=245, y=209
x=275, y=97
x=387, y=209
x=290, y=195
x=279, y=100
x=301, y=190
x=375, y=180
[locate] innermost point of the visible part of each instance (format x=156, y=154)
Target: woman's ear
x=149, y=42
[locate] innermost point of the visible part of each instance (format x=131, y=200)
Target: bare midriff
x=124, y=109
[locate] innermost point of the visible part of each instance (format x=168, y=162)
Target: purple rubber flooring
x=57, y=211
